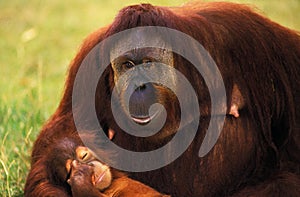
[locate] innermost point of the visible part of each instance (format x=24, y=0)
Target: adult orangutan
x=257, y=152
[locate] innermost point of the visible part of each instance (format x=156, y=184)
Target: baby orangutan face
x=86, y=167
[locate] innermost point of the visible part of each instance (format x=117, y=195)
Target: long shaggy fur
x=257, y=153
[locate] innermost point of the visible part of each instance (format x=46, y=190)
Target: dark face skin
x=144, y=94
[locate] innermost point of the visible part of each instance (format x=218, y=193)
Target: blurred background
x=38, y=39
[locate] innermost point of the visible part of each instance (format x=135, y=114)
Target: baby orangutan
x=90, y=177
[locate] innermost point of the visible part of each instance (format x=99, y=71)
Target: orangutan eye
x=127, y=65
x=84, y=156
x=147, y=61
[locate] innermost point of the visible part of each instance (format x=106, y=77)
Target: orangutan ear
x=237, y=101
x=111, y=134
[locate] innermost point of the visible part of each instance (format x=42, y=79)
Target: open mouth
x=140, y=119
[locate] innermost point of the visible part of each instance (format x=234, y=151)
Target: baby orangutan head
x=87, y=166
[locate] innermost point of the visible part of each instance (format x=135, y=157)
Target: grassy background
x=38, y=38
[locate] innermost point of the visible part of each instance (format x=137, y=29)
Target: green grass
x=37, y=41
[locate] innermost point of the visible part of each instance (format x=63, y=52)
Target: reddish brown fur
x=257, y=154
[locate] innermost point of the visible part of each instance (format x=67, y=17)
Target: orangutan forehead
x=140, y=43
x=151, y=54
